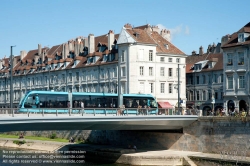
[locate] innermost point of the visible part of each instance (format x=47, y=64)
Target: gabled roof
x=206, y=58
x=233, y=42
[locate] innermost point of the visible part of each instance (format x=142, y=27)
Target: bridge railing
x=87, y=111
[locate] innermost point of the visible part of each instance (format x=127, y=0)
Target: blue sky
x=193, y=23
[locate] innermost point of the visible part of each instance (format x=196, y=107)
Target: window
x=150, y=71
x=197, y=79
x=241, y=81
x=229, y=59
x=240, y=37
x=170, y=72
x=191, y=95
x=170, y=59
x=162, y=88
x=115, y=72
x=177, y=60
x=204, y=95
x=77, y=76
x=240, y=58
x=170, y=88
x=197, y=95
x=70, y=77
x=150, y=55
x=191, y=79
x=162, y=71
x=63, y=78
x=221, y=78
x=215, y=78
x=123, y=71
x=123, y=56
x=209, y=79
x=141, y=70
x=221, y=95
x=204, y=79
x=151, y=87
x=216, y=95
x=162, y=59
x=230, y=82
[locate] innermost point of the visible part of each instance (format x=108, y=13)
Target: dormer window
x=166, y=46
x=90, y=60
x=241, y=37
x=105, y=58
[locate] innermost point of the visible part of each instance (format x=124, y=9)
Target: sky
x=192, y=23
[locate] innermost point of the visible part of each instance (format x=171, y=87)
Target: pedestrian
x=37, y=101
x=82, y=106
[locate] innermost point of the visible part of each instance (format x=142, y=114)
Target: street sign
x=213, y=101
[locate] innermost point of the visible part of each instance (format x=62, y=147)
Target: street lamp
x=11, y=80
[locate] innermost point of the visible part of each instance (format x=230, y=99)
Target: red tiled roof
x=233, y=42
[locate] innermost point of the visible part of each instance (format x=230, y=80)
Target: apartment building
x=204, y=79
x=148, y=63
x=236, y=65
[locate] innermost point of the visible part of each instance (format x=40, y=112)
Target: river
x=24, y=157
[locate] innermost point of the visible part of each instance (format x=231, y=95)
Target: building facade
x=236, y=49
x=204, y=75
x=148, y=64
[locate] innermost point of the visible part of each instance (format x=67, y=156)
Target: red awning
x=165, y=105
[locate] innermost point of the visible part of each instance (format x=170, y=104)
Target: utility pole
x=120, y=96
x=11, y=81
x=179, y=89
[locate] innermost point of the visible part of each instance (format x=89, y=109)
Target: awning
x=164, y=105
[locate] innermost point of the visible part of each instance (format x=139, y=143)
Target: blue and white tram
x=98, y=103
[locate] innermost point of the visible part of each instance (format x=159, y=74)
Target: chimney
x=14, y=61
x=166, y=34
x=66, y=50
x=193, y=52
x=111, y=39
x=91, y=40
x=128, y=26
x=23, y=54
x=156, y=29
x=76, y=47
x=36, y=59
x=201, y=51
x=63, y=51
x=70, y=45
x=39, y=49
x=209, y=48
x=225, y=39
x=81, y=46
x=1, y=63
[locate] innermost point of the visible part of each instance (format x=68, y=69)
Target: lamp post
x=11, y=80
x=120, y=96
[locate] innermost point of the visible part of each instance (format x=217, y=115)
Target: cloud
x=187, y=30
x=178, y=30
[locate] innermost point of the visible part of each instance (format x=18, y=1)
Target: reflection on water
x=12, y=156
